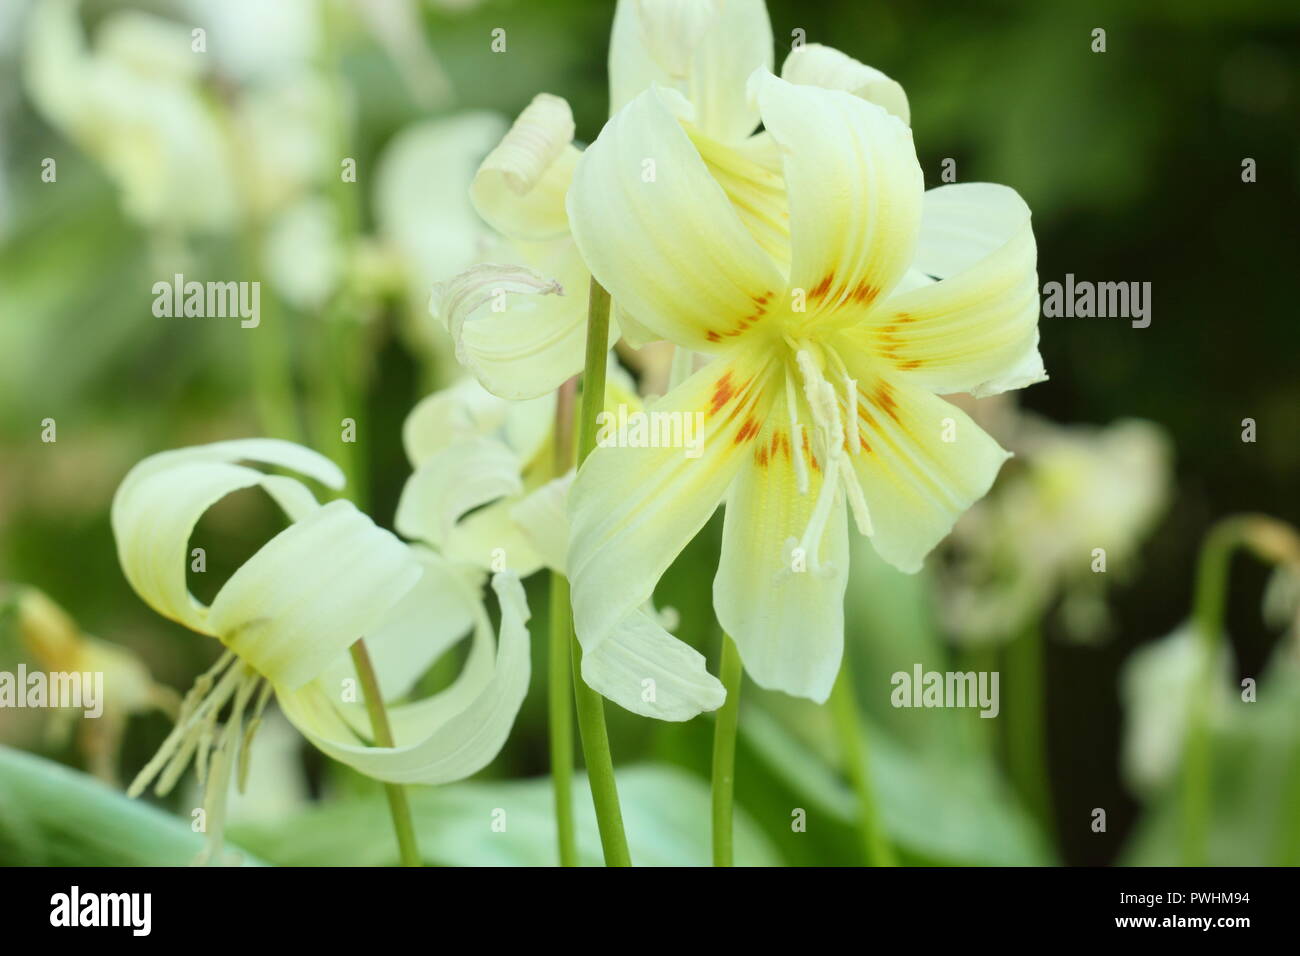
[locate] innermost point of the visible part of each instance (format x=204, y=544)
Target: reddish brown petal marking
x=723, y=392
x=864, y=293
x=910, y=364
x=821, y=288
x=712, y=336
x=808, y=452
x=748, y=429
x=761, y=455
x=905, y=317
x=883, y=398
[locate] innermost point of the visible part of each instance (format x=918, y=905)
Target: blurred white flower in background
x=1070, y=491
x=1156, y=688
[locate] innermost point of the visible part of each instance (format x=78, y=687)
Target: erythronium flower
x=483, y=493
x=288, y=616
x=1074, y=490
x=822, y=397
x=519, y=323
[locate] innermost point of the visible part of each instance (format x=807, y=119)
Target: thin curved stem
x=590, y=705
x=851, y=731
x=1274, y=542
x=398, y=806
x=724, y=756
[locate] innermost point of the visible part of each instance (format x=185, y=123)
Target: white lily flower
x=531, y=340
x=822, y=396
x=288, y=616
x=144, y=104
x=136, y=104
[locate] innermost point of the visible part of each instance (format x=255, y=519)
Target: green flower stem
x=590, y=705
x=1273, y=542
x=1026, y=745
x=398, y=805
x=559, y=690
x=724, y=755
x=1207, y=618
x=851, y=731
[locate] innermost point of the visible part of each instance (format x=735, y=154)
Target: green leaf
x=51, y=815
x=936, y=808
x=665, y=812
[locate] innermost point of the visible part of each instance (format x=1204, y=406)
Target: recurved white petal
x=632, y=510
x=815, y=65
x=922, y=463
x=854, y=187
x=311, y=592
x=704, y=50
x=435, y=615
x=452, y=482
x=659, y=233
x=450, y=736
x=543, y=518
x=161, y=499
x=519, y=189
x=520, y=333
x=977, y=329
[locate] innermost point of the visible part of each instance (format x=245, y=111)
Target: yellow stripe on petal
x=660, y=234
x=855, y=190
x=783, y=607
x=311, y=592
x=977, y=329
x=922, y=462
x=633, y=509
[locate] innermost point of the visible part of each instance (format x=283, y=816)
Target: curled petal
x=310, y=592
x=520, y=334
x=703, y=49
x=453, y=482
x=519, y=189
x=449, y=736
x=162, y=498
x=815, y=65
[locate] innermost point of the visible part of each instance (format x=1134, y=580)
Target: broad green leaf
x=51, y=815
x=935, y=808
x=510, y=823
